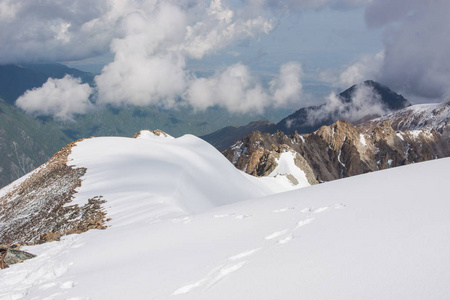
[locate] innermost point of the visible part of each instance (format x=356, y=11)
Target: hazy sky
x=244, y=55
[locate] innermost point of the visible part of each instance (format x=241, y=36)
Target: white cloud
x=416, y=55
x=55, y=30
x=239, y=91
x=367, y=68
x=58, y=98
x=151, y=41
x=287, y=87
x=235, y=89
x=149, y=60
x=364, y=101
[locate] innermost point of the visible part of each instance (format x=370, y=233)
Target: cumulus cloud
x=364, y=101
x=287, y=87
x=238, y=90
x=149, y=66
x=59, y=98
x=368, y=67
x=55, y=30
x=416, y=55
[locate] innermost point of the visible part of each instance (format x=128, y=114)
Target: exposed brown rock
x=156, y=132
x=38, y=210
x=340, y=150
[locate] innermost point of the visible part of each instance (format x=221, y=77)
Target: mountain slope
x=336, y=240
x=25, y=143
x=225, y=137
x=349, y=103
x=342, y=149
x=67, y=194
x=430, y=117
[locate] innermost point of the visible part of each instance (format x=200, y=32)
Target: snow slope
x=425, y=117
x=383, y=235
x=160, y=174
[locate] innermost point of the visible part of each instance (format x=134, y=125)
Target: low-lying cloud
x=59, y=98
x=150, y=53
x=237, y=90
x=364, y=101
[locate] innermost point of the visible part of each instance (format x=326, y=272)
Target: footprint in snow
x=286, y=239
x=211, y=279
x=304, y=222
x=281, y=210
x=275, y=234
x=241, y=217
x=16, y=296
x=67, y=285
x=184, y=220
x=306, y=210
x=224, y=215
x=47, y=286
x=78, y=245
x=52, y=297
x=339, y=206
x=319, y=210
x=244, y=254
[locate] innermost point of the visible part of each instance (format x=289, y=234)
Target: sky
x=242, y=55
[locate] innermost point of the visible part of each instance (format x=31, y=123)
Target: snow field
x=187, y=225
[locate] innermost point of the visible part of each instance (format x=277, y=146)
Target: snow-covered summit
x=159, y=173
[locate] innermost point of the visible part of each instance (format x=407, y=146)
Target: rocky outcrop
x=12, y=255
x=340, y=150
x=429, y=117
x=38, y=208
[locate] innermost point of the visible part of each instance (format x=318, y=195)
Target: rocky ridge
x=36, y=208
x=343, y=149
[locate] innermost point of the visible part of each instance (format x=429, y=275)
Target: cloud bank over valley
x=152, y=41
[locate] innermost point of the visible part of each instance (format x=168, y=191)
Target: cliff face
x=343, y=149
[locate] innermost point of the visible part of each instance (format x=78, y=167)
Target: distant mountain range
x=304, y=121
x=413, y=134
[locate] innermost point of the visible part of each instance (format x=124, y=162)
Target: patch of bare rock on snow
x=38, y=209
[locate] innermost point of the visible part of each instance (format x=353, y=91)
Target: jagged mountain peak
x=389, y=98
x=356, y=102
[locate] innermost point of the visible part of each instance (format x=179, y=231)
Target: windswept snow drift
x=383, y=235
x=159, y=175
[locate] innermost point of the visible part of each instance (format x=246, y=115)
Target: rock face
x=343, y=149
x=429, y=117
x=37, y=208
